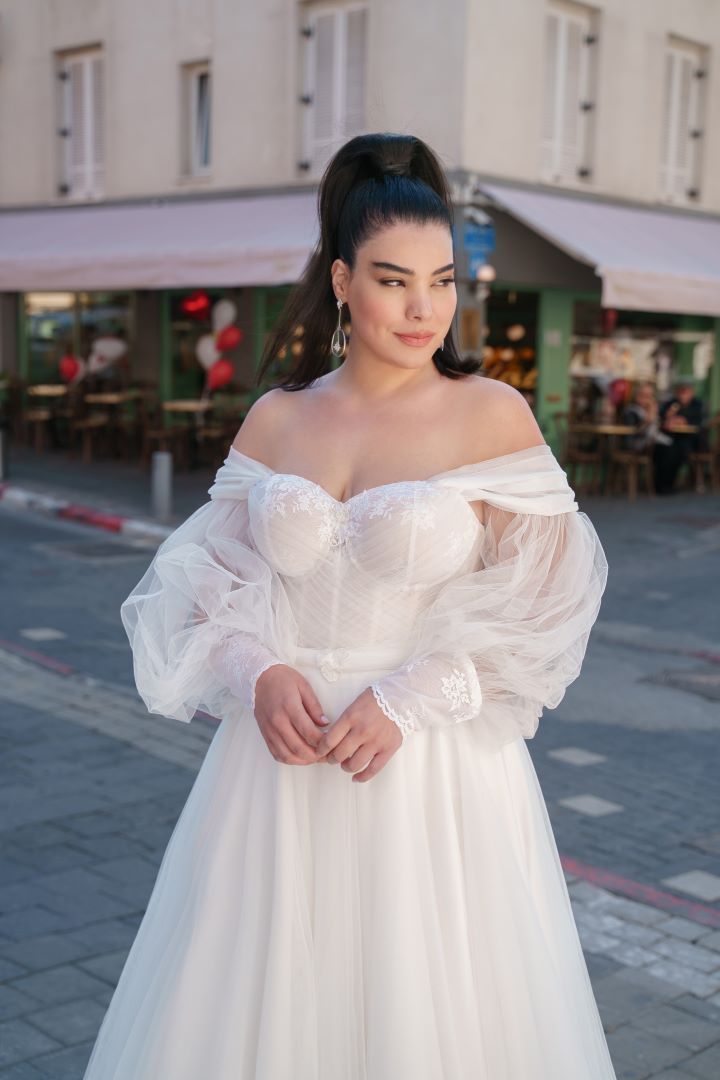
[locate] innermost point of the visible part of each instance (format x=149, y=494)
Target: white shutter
x=569, y=84
x=83, y=120
x=335, y=80
x=355, y=73
x=683, y=109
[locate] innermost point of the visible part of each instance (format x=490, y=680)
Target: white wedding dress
x=416, y=926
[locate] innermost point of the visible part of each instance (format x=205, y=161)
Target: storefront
x=607, y=295
x=149, y=279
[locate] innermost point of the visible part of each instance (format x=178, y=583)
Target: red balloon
x=220, y=374
x=197, y=304
x=228, y=338
x=68, y=368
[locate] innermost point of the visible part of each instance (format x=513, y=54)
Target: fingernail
x=324, y=718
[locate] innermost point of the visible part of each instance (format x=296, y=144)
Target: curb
x=27, y=499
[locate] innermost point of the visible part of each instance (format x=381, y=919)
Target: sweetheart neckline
x=391, y=483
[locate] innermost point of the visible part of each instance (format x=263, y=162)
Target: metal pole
x=3, y=451
x=162, y=481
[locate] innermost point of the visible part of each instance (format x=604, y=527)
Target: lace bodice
x=492, y=617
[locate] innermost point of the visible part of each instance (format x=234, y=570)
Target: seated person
x=682, y=409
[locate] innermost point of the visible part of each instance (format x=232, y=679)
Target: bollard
x=162, y=477
x=3, y=452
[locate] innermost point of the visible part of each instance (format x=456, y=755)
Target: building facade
x=122, y=125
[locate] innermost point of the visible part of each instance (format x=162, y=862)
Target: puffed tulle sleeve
x=501, y=642
x=209, y=615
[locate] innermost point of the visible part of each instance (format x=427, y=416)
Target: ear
x=339, y=275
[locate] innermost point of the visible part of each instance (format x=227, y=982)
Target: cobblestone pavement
x=91, y=787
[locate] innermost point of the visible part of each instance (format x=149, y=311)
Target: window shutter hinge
x=63, y=189
x=307, y=31
x=306, y=99
x=692, y=193
x=696, y=133
x=584, y=172
x=304, y=165
x=590, y=39
x=700, y=73
x=587, y=106
x=63, y=132
x=63, y=74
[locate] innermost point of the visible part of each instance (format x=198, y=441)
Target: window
x=570, y=79
x=335, y=69
x=197, y=147
x=683, y=115
x=82, y=125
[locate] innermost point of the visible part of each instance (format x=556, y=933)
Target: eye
x=396, y=281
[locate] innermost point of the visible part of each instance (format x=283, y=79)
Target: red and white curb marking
x=26, y=499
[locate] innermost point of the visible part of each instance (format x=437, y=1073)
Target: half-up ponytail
x=373, y=181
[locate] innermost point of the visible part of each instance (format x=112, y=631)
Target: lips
x=415, y=339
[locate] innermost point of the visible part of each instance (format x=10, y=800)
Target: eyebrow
x=404, y=269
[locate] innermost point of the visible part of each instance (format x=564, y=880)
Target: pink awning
x=648, y=259
x=258, y=240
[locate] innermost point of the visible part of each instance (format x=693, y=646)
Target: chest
x=412, y=530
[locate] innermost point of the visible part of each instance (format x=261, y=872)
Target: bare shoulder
x=263, y=420
x=499, y=417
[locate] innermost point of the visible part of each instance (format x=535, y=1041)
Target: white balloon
x=111, y=348
x=224, y=314
x=98, y=362
x=207, y=351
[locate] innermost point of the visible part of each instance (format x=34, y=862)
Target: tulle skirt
x=304, y=927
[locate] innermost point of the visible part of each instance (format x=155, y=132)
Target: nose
x=420, y=307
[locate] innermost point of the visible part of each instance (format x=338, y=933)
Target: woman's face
x=403, y=284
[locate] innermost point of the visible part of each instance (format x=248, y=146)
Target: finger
x=356, y=756
x=291, y=745
x=312, y=705
x=333, y=736
x=380, y=759
x=304, y=726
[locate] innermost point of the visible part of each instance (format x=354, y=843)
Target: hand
x=289, y=715
x=362, y=738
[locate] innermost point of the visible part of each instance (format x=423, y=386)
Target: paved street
x=92, y=785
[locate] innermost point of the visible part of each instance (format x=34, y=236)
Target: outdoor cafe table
x=113, y=400
x=610, y=432
x=193, y=409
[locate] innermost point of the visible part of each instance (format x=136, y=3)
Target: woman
x=642, y=413
x=391, y=578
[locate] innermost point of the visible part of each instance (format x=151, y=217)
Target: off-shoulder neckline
x=543, y=447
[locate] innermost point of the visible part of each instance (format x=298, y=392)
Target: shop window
x=510, y=354
x=197, y=126
x=61, y=324
x=570, y=92
x=683, y=118
x=81, y=128
x=334, y=65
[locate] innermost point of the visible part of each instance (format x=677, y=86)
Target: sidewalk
x=114, y=495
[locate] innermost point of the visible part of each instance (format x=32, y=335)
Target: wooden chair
x=92, y=430
x=574, y=456
x=709, y=458
x=156, y=436
x=624, y=472
x=35, y=423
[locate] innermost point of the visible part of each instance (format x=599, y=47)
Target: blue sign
x=478, y=237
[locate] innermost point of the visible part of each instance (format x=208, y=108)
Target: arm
x=499, y=644
x=207, y=617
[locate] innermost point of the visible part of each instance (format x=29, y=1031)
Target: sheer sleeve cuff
x=238, y=662
x=432, y=690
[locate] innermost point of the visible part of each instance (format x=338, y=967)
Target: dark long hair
x=371, y=182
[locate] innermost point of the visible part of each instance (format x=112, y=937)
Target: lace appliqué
x=242, y=661
x=464, y=695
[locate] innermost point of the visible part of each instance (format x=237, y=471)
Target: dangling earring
x=336, y=347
